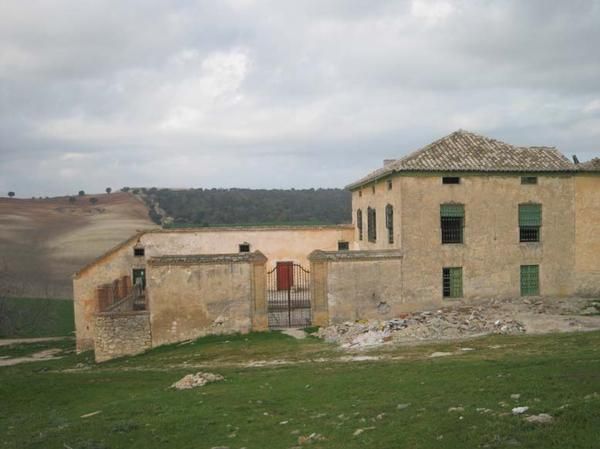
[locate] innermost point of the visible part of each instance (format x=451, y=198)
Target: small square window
x=373, y=188
x=450, y=180
x=343, y=246
x=139, y=252
x=389, y=184
x=244, y=247
x=528, y=179
x=359, y=193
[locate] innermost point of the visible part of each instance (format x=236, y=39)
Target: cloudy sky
x=278, y=94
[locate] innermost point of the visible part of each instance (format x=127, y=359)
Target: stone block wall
x=120, y=334
x=353, y=285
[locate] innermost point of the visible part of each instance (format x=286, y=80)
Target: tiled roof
x=593, y=165
x=463, y=151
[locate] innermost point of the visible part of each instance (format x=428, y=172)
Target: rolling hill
x=44, y=241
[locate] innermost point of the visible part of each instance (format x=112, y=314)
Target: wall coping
x=343, y=256
x=128, y=313
x=255, y=257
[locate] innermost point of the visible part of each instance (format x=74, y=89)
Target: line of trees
x=207, y=207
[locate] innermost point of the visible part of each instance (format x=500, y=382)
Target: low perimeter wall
x=121, y=333
x=354, y=285
x=193, y=296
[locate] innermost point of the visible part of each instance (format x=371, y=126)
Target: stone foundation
x=121, y=333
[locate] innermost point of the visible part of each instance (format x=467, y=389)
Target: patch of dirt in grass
x=41, y=356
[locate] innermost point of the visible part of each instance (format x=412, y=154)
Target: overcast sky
x=279, y=94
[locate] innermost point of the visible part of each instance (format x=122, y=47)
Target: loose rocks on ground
x=196, y=380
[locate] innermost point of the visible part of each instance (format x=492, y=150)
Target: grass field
x=314, y=391
x=35, y=317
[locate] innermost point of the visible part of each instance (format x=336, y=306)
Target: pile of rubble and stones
x=492, y=316
x=196, y=380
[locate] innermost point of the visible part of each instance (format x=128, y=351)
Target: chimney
x=388, y=161
x=575, y=159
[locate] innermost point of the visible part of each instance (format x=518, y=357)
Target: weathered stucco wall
x=491, y=254
x=121, y=334
x=378, y=195
x=189, y=297
x=290, y=243
x=276, y=243
x=587, y=234
x=356, y=285
x=116, y=264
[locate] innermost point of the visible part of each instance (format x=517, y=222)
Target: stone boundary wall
x=354, y=285
x=119, y=334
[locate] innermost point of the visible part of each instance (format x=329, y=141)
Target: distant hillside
x=44, y=241
x=213, y=207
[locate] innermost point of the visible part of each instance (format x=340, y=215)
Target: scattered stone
x=594, y=395
x=196, y=380
x=542, y=418
x=87, y=415
x=456, y=409
x=519, y=410
x=515, y=396
x=440, y=354
x=357, y=432
x=310, y=439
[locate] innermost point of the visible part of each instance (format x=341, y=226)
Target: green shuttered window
x=530, y=214
x=530, y=280
x=371, y=225
x=452, y=284
x=452, y=210
x=530, y=220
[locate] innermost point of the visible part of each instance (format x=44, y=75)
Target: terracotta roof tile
x=464, y=151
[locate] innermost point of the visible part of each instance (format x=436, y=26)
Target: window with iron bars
x=452, y=282
x=371, y=224
x=530, y=222
x=389, y=222
x=359, y=224
x=452, y=222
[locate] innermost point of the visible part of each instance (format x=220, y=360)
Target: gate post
x=318, y=287
x=260, y=320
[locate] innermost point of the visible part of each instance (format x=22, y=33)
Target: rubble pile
x=196, y=380
x=442, y=324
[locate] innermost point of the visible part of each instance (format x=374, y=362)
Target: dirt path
x=17, y=341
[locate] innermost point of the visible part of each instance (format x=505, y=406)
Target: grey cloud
x=281, y=94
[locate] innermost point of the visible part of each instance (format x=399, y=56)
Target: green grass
x=36, y=317
x=270, y=407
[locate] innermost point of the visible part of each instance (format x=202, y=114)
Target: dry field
x=44, y=241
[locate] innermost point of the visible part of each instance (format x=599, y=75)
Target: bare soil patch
x=44, y=241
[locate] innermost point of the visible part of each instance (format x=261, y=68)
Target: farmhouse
x=463, y=218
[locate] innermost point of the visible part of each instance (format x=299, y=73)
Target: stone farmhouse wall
x=121, y=334
x=354, y=285
x=193, y=296
x=289, y=243
x=587, y=235
x=491, y=254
